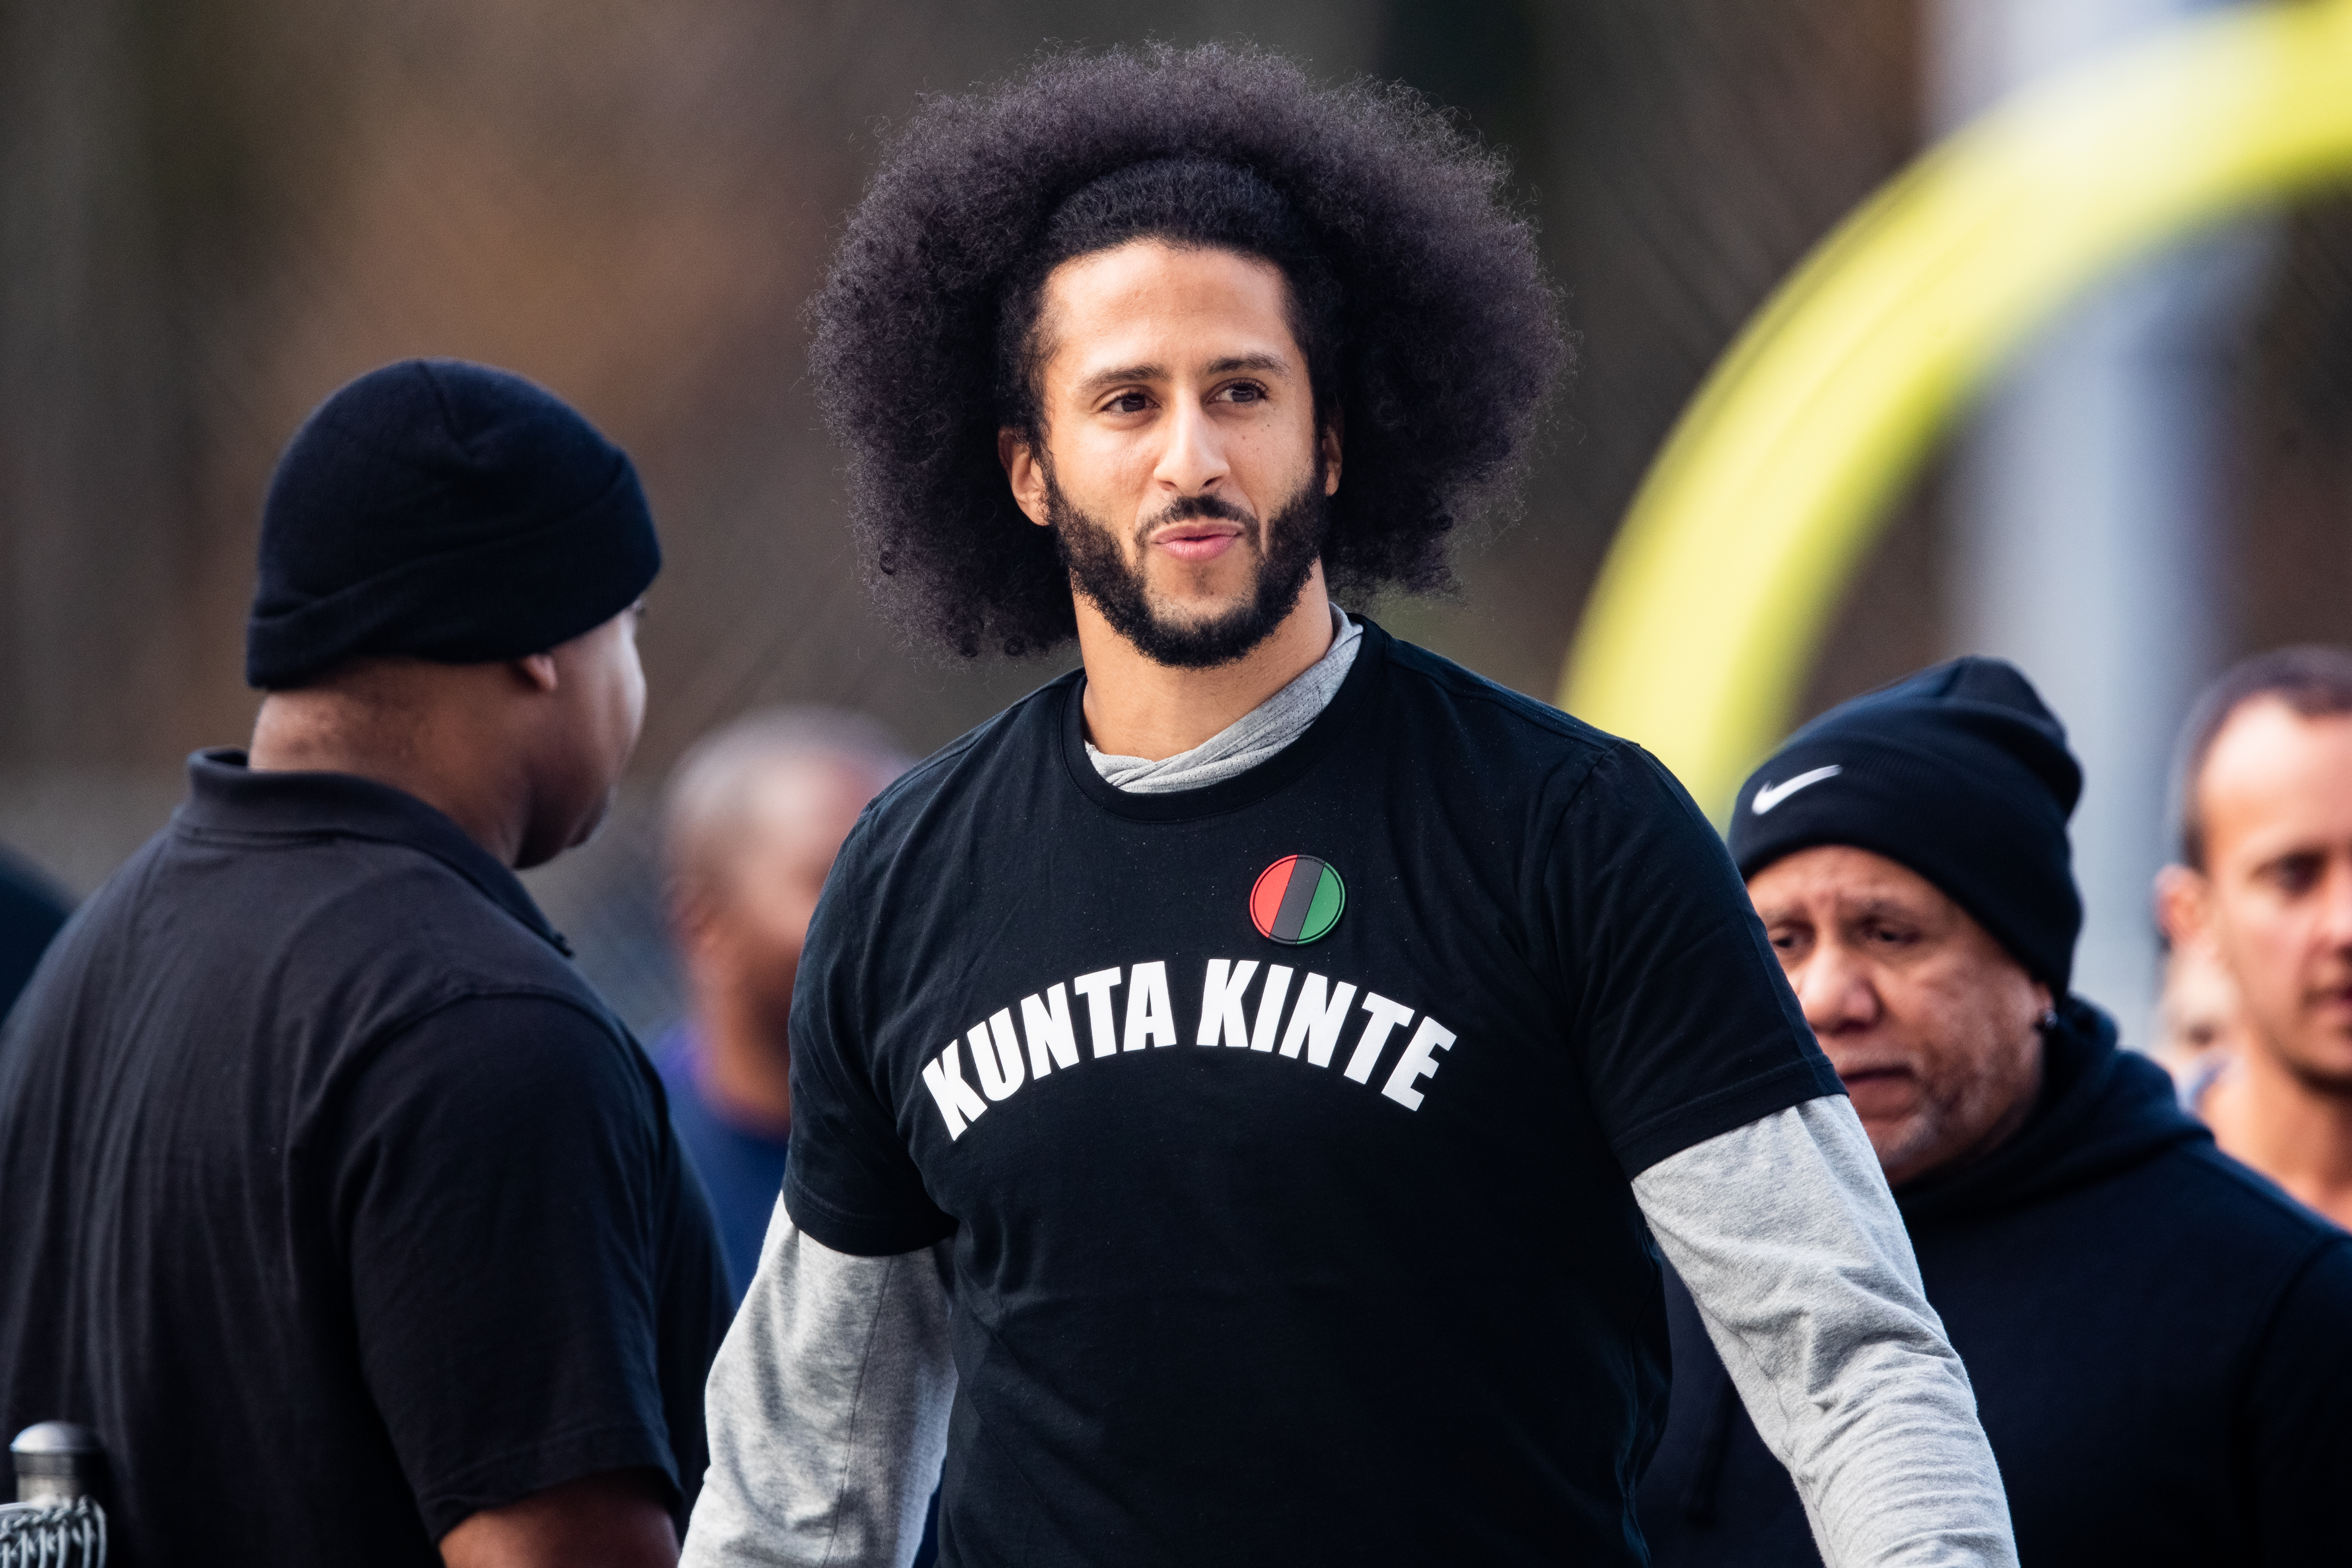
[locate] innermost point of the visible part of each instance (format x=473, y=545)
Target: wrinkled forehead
x=1842, y=882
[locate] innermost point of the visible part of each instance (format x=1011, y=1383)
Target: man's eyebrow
x=1110, y=378
x=1274, y=362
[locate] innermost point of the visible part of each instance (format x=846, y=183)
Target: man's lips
x=1197, y=541
x=1870, y=1085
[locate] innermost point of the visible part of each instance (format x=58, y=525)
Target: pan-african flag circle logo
x=1296, y=900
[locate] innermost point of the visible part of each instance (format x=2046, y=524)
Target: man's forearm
x=1796, y=1255
x=828, y=1410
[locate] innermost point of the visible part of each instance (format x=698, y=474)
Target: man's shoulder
x=1421, y=678
x=1475, y=727
x=1017, y=738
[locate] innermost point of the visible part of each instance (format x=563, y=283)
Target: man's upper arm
x=496, y=1201
x=852, y=1182
x=1683, y=1021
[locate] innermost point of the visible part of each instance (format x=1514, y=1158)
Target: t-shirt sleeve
x=2298, y=1408
x=499, y=1204
x=852, y=1181
x=1685, y=1024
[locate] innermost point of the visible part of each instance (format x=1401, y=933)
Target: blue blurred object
x=31, y=913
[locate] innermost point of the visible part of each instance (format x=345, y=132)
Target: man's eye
x=2296, y=874
x=1889, y=936
x=1245, y=391
x=1127, y=402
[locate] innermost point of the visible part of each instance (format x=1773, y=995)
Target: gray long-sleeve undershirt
x=828, y=1402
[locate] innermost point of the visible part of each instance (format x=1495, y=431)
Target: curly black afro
x=1430, y=331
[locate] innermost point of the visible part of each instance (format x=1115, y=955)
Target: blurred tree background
x=214, y=211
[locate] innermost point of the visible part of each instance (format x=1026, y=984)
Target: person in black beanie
x=341, y=1206
x=2154, y=1333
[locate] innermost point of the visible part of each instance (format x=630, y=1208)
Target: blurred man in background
x=2264, y=889
x=2199, y=1021
x=756, y=813
x=339, y=1205
x=2154, y=1335
x=30, y=915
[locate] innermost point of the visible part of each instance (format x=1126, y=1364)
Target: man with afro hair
x=1236, y=1089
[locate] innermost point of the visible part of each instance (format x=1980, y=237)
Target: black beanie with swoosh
x=448, y=511
x=1959, y=773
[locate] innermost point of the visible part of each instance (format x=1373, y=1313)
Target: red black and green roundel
x=1296, y=900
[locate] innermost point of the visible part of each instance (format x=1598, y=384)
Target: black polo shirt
x=338, y=1203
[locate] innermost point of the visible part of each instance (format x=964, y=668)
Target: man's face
x=2274, y=903
x=747, y=920
x=596, y=710
x=1184, y=475
x=1928, y=1019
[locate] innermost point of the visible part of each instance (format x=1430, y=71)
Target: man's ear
x=1025, y=473
x=1331, y=455
x=2183, y=901
x=538, y=669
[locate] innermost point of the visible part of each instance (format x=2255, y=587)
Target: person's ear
x=1330, y=444
x=1026, y=473
x=2184, y=905
x=539, y=670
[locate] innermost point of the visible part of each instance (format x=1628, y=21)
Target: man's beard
x=1288, y=548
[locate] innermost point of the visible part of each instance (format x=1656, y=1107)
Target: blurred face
x=2275, y=902
x=2199, y=1013
x=1928, y=1019
x=589, y=725
x=1184, y=475
x=747, y=921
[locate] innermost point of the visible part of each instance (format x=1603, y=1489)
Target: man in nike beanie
x=2154, y=1333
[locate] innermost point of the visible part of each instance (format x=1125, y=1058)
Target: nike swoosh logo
x=1771, y=795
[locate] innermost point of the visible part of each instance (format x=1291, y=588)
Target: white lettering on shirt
x=1096, y=989
x=958, y=1103
x=1269, y=1007
x=1220, y=1001
x=1314, y=1025
x=1151, y=1021
x=1386, y=1015
x=1001, y=1065
x=1418, y=1062
x=1047, y=1025
x=997, y=1063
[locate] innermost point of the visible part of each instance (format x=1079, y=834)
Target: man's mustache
x=1189, y=509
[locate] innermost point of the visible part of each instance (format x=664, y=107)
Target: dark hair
x=2313, y=681
x=1429, y=330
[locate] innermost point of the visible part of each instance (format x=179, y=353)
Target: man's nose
x=1193, y=460
x=1835, y=991
x=2336, y=901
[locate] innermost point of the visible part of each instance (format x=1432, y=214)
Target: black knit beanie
x=445, y=510
x=1958, y=773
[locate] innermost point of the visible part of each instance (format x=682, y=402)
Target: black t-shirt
x=1364, y=1282
x=337, y=1203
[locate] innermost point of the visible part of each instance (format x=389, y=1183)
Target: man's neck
x=2298, y=1135
x=429, y=750
x=743, y=1075
x=1135, y=706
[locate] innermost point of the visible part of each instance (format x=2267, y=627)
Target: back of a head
x=2311, y=681
x=709, y=797
x=444, y=511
